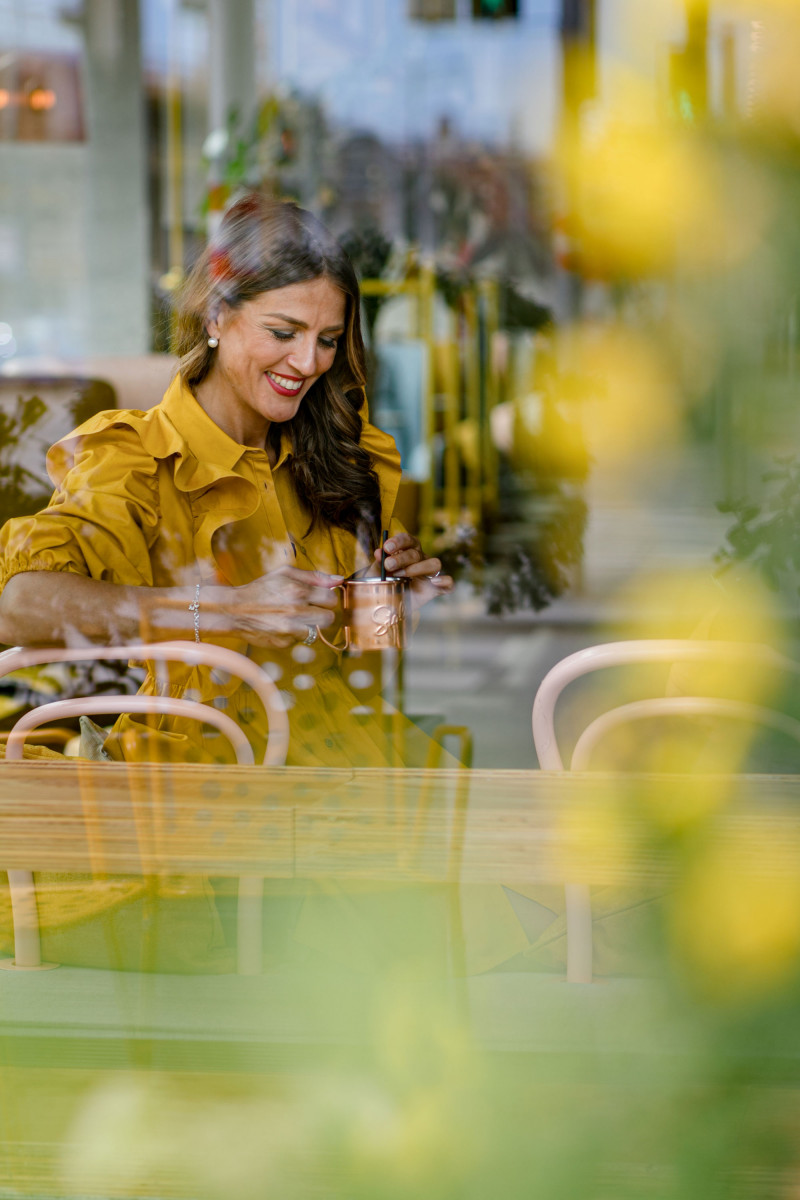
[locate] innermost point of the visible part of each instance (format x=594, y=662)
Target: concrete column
x=116, y=240
x=232, y=82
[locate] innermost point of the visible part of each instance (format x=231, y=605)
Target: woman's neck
x=240, y=422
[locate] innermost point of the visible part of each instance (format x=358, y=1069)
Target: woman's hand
x=283, y=606
x=406, y=558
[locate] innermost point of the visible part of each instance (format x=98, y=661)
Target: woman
x=231, y=510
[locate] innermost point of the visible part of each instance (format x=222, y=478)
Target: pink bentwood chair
x=27, y=949
x=617, y=654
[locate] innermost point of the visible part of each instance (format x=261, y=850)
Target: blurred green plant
x=21, y=491
x=24, y=491
x=532, y=576
x=765, y=535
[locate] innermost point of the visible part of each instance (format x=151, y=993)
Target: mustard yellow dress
x=164, y=498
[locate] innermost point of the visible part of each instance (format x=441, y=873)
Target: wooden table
x=479, y=826
x=517, y=826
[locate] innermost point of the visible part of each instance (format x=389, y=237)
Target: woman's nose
x=303, y=356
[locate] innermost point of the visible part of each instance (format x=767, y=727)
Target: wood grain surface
x=479, y=826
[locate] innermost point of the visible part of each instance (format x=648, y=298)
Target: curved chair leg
x=579, y=933
x=27, y=951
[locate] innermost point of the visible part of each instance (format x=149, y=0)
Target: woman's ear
x=216, y=321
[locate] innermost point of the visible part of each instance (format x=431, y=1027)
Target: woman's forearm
x=57, y=608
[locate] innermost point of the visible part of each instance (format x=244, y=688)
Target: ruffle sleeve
x=103, y=516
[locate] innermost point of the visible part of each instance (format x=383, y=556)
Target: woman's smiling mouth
x=285, y=385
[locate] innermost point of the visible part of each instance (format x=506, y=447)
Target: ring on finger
x=311, y=636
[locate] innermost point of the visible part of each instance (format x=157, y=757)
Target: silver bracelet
x=194, y=607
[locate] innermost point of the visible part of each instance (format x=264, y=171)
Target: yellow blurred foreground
x=388, y=1062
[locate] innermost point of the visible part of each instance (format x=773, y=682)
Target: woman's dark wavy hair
x=264, y=244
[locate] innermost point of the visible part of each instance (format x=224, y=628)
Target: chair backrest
x=616, y=654
x=190, y=653
x=27, y=948
x=171, y=706
x=677, y=706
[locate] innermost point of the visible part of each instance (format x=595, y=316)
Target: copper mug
x=376, y=614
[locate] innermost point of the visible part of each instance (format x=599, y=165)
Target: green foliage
x=21, y=491
x=24, y=491
x=766, y=535
x=531, y=576
x=523, y=575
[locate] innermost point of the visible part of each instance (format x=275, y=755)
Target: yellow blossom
x=735, y=918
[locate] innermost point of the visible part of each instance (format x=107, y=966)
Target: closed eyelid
x=296, y=323
x=331, y=337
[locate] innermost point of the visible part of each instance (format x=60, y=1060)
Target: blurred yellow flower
x=681, y=601
x=633, y=404
x=651, y=199
x=735, y=917
x=648, y=195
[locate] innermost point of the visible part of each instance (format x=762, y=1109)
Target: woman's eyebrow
x=301, y=324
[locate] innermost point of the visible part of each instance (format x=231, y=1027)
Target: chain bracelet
x=194, y=607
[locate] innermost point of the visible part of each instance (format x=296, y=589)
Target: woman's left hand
x=406, y=558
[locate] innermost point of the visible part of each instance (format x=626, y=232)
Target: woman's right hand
x=280, y=608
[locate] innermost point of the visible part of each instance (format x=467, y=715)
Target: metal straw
x=384, y=536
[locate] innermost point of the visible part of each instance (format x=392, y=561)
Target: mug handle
x=333, y=646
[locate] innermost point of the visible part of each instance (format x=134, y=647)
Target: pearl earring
x=213, y=342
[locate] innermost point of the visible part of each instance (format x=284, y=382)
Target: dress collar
x=204, y=438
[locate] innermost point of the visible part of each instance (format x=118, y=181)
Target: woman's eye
x=282, y=335
x=328, y=343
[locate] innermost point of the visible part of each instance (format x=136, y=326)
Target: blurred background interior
x=574, y=221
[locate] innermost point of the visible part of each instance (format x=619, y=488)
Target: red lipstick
x=284, y=391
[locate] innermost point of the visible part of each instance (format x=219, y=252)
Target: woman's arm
x=55, y=608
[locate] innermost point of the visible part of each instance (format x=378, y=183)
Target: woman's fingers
x=398, y=546
x=323, y=598
x=318, y=578
x=424, y=567
x=312, y=616
x=425, y=588
x=402, y=553
x=278, y=608
x=289, y=586
x=316, y=586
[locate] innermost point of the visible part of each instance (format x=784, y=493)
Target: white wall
x=73, y=241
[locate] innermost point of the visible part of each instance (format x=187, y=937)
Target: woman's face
x=271, y=350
